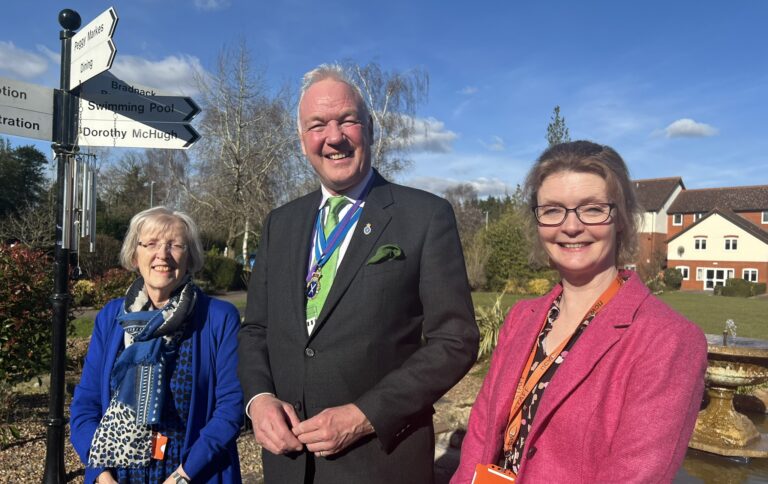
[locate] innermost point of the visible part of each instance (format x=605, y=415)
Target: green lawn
x=709, y=312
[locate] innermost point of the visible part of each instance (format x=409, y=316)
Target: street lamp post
x=151, y=194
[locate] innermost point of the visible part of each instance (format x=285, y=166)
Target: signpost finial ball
x=69, y=19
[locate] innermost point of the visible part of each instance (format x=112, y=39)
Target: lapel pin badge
x=367, y=229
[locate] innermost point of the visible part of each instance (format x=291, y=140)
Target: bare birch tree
x=393, y=97
x=247, y=157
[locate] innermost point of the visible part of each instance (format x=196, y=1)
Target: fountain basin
x=734, y=374
x=720, y=429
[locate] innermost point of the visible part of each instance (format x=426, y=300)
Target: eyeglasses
x=154, y=246
x=588, y=214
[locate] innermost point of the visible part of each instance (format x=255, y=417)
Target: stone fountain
x=733, y=362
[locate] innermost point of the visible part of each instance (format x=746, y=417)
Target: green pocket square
x=386, y=252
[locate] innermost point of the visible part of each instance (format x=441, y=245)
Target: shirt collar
x=353, y=194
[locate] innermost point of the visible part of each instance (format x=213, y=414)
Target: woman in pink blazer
x=606, y=380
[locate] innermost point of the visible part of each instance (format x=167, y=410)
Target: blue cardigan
x=216, y=407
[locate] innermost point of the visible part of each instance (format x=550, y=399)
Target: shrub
x=673, y=278
x=221, y=273
x=489, y=322
x=515, y=286
x=107, y=256
x=740, y=288
x=655, y=285
x=26, y=285
x=538, y=287
x=111, y=285
x=83, y=292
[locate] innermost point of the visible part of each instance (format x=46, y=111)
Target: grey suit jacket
x=392, y=337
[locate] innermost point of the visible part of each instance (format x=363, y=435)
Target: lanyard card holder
x=491, y=474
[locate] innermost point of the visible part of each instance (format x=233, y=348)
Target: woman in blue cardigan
x=159, y=399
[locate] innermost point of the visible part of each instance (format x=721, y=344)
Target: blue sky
x=677, y=88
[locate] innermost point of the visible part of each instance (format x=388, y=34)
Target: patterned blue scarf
x=138, y=387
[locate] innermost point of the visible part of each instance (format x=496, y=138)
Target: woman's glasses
x=172, y=247
x=588, y=214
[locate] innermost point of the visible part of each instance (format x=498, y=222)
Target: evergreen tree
x=22, y=178
x=557, y=131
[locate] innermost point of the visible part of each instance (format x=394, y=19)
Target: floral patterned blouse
x=531, y=404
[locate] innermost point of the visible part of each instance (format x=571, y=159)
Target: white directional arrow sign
x=29, y=124
x=98, y=31
x=167, y=109
x=95, y=61
x=22, y=95
x=92, y=48
x=132, y=134
x=26, y=110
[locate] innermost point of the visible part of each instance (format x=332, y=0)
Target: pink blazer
x=621, y=407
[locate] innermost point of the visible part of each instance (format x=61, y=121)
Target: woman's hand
x=105, y=478
x=180, y=470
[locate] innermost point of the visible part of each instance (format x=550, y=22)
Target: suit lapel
x=360, y=246
x=300, y=237
x=605, y=330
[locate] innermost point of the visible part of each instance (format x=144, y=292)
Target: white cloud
x=430, y=135
x=172, y=75
x=53, y=56
x=468, y=90
x=496, y=144
x=689, y=128
x=485, y=186
x=21, y=62
x=211, y=4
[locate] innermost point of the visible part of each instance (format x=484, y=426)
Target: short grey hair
x=333, y=71
x=160, y=219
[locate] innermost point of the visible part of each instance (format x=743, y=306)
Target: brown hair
x=603, y=161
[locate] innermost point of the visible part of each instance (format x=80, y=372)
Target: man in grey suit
x=359, y=314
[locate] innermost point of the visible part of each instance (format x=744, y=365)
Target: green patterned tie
x=328, y=271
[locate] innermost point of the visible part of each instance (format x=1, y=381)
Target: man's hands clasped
x=277, y=427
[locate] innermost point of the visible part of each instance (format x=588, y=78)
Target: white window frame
x=675, y=221
x=700, y=243
x=698, y=216
x=685, y=271
x=750, y=270
x=700, y=274
x=731, y=243
x=764, y=217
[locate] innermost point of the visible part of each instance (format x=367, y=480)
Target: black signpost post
x=64, y=130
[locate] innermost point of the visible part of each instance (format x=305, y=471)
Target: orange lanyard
x=527, y=384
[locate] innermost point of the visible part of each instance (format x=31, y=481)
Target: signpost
x=111, y=113
x=26, y=110
x=92, y=50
